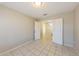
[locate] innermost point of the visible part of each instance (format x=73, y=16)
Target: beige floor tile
x=51, y=53
x=43, y=54
x=37, y=53
x=16, y=52
x=6, y=54
x=36, y=48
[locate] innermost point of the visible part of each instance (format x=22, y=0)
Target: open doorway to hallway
x=46, y=32
x=50, y=31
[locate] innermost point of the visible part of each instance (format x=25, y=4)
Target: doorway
x=46, y=34
x=51, y=31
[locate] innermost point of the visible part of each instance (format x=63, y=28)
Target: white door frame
x=37, y=30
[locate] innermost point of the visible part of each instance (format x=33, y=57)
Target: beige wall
x=15, y=28
x=77, y=28
x=68, y=31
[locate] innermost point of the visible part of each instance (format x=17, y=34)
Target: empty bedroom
x=39, y=28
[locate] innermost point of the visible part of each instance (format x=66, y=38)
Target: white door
x=37, y=30
x=57, y=31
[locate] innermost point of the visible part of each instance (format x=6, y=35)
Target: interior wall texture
x=68, y=27
x=15, y=28
x=76, y=26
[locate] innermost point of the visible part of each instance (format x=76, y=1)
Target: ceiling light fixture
x=39, y=4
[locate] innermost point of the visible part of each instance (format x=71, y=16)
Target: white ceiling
x=52, y=8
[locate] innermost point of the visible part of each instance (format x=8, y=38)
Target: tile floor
x=35, y=48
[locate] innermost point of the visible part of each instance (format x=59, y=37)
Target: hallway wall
x=15, y=28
